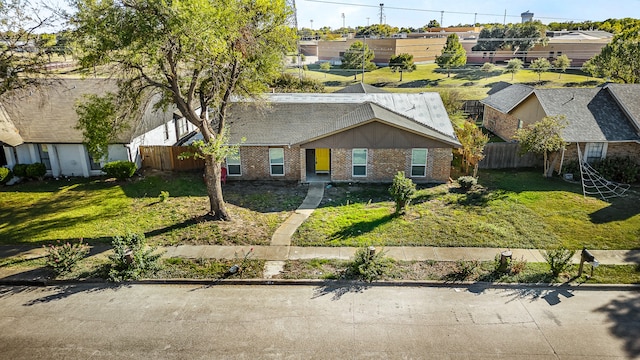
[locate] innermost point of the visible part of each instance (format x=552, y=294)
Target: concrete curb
x=331, y=283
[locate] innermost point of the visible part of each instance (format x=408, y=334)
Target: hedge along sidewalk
x=406, y=253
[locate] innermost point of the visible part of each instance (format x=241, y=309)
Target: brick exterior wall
x=383, y=164
x=254, y=164
x=503, y=125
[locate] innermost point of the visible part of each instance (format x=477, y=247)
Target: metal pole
x=364, y=44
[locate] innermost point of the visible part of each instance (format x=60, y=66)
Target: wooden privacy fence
x=166, y=158
x=505, y=155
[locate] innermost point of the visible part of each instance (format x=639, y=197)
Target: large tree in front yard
x=196, y=53
x=453, y=55
x=543, y=137
x=473, y=141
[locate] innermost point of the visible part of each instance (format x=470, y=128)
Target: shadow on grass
x=588, y=83
x=478, y=196
x=624, y=316
x=338, y=289
x=620, y=209
x=360, y=228
x=419, y=83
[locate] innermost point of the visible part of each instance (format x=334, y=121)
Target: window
x=419, y=162
x=43, y=150
x=276, y=161
x=520, y=124
x=595, y=151
x=95, y=165
x=166, y=131
x=233, y=165
x=359, y=162
x=181, y=127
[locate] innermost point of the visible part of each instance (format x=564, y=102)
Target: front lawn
x=98, y=209
x=513, y=209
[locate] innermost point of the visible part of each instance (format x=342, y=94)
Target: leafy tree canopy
x=402, y=62
x=353, y=57
x=539, y=66
x=381, y=30
x=543, y=137
x=195, y=53
x=453, y=55
x=619, y=60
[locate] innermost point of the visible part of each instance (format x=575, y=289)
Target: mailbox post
x=586, y=256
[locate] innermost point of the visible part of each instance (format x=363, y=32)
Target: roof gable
x=508, y=98
x=361, y=88
x=592, y=114
x=628, y=98
x=296, y=118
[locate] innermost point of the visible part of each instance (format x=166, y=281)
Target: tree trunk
x=400, y=75
x=545, y=165
x=212, y=177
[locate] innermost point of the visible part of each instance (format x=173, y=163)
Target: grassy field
x=471, y=82
x=96, y=210
x=517, y=209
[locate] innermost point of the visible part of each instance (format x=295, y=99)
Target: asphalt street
x=316, y=322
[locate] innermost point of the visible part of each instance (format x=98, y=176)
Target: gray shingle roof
x=508, y=98
x=361, y=88
x=47, y=114
x=592, y=114
x=295, y=118
x=628, y=97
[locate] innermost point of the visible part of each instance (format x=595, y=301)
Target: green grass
x=472, y=83
x=95, y=210
x=517, y=209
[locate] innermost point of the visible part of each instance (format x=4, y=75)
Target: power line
x=441, y=11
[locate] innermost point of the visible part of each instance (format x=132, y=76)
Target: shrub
x=403, y=189
x=164, y=195
x=464, y=268
x=132, y=258
x=620, y=169
x=20, y=170
x=62, y=259
x=559, y=259
x=120, y=169
x=467, y=182
x=5, y=175
x=36, y=170
x=573, y=167
x=369, y=267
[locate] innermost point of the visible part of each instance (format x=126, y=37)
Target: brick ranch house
x=341, y=137
x=604, y=121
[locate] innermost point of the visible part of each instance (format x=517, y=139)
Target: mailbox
x=587, y=256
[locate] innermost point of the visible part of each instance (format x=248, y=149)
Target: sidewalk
x=405, y=253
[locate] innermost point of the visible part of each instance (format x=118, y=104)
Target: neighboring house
x=364, y=137
x=605, y=121
x=39, y=126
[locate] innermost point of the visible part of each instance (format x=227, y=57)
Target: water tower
x=526, y=16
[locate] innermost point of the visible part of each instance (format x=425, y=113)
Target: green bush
x=120, y=169
x=132, y=258
x=403, y=189
x=369, y=267
x=164, y=196
x=572, y=167
x=619, y=169
x=20, y=170
x=36, y=170
x=559, y=259
x=5, y=175
x=467, y=182
x=62, y=259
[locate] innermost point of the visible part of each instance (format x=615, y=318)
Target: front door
x=322, y=161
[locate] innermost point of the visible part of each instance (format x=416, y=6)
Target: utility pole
x=343, y=26
x=294, y=19
x=364, y=45
x=367, y=21
x=504, y=20
x=441, y=18
x=475, y=17
x=381, y=13
x=311, y=25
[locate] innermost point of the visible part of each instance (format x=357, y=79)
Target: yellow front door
x=322, y=160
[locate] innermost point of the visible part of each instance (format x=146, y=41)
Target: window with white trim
x=359, y=162
x=418, y=162
x=595, y=151
x=233, y=165
x=276, y=161
x=43, y=151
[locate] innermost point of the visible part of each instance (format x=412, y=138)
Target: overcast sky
x=417, y=13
